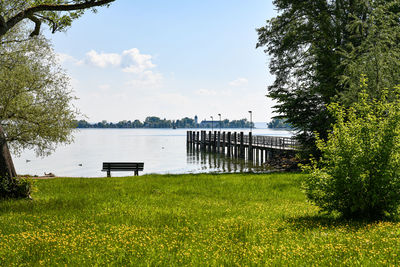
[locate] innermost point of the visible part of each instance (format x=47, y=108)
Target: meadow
x=204, y=219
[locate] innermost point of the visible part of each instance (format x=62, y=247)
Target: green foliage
x=35, y=99
x=15, y=188
x=36, y=108
x=318, y=50
x=359, y=172
x=279, y=124
x=377, y=56
x=57, y=14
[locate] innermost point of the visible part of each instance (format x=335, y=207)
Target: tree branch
x=2, y=22
x=37, y=22
x=30, y=12
x=54, y=27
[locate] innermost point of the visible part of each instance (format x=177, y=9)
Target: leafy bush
x=358, y=174
x=15, y=188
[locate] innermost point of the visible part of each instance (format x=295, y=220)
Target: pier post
x=257, y=155
x=204, y=140
x=215, y=142
x=219, y=142
x=209, y=141
x=262, y=155
x=235, y=148
x=241, y=150
x=223, y=142
x=198, y=140
x=193, y=138
x=229, y=152
x=201, y=140
x=250, y=146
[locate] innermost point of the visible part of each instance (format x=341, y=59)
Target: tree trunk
x=7, y=169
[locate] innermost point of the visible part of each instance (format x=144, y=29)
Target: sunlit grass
x=236, y=219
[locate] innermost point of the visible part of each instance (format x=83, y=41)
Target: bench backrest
x=123, y=166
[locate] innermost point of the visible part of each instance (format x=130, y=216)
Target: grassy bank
x=236, y=219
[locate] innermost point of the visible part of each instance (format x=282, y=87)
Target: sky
x=170, y=59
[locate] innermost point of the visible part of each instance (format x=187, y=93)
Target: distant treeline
x=156, y=122
x=279, y=124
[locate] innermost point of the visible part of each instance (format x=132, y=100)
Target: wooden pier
x=237, y=145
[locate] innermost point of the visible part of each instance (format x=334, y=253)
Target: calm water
x=162, y=151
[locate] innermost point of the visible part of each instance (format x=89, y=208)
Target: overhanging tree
x=318, y=49
x=58, y=14
x=35, y=103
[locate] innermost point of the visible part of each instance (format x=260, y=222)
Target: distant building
x=196, y=120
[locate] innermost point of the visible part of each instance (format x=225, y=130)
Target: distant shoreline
x=156, y=122
x=200, y=128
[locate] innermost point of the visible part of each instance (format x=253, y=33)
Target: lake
x=162, y=151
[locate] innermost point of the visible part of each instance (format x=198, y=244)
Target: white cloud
x=239, y=82
x=206, y=92
x=103, y=60
x=131, y=61
x=134, y=62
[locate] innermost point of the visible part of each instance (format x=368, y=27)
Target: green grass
x=235, y=219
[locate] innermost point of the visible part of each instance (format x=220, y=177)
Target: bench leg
x=136, y=173
x=108, y=173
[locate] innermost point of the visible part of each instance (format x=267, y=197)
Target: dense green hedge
x=359, y=172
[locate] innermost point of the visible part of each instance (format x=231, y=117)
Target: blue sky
x=169, y=59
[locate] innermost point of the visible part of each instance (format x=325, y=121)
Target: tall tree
x=35, y=109
x=377, y=57
x=315, y=47
x=35, y=101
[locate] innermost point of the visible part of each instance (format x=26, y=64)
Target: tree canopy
x=279, y=124
x=35, y=100
x=57, y=14
x=319, y=48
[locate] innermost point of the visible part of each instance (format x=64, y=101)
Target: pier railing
x=234, y=144
x=275, y=142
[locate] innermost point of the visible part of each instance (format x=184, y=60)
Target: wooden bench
x=122, y=166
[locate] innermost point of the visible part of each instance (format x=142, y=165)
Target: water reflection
x=218, y=162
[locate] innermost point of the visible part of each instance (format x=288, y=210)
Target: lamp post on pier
x=251, y=119
x=219, y=114
x=212, y=123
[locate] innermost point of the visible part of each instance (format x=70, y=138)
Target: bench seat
x=122, y=166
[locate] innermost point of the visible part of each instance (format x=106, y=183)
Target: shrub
x=15, y=188
x=358, y=174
